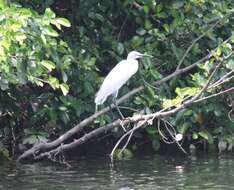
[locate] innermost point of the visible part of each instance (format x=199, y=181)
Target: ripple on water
x=145, y=173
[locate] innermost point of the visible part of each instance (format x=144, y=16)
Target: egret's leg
x=115, y=103
x=117, y=107
x=121, y=115
x=96, y=108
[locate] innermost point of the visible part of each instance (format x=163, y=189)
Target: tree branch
x=215, y=95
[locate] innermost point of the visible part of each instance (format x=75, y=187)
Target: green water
x=153, y=172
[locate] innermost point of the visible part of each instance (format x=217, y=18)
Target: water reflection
x=158, y=172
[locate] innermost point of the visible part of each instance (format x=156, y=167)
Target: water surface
x=152, y=172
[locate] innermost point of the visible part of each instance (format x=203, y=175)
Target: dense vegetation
x=54, y=55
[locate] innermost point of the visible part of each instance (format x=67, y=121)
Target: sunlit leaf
x=48, y=64
x=207, y=136
x=65, y=88
x=54, y=83
x=219, y=51
x=195, y=136
x=50, y=32
x=49, y=13
x=20, y=37
x=63, y=22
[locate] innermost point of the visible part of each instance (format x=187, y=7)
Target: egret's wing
x=117, y=77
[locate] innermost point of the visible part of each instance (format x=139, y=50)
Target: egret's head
x=136, y=55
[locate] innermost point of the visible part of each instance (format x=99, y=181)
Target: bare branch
x=174, y=138
x=223, y=79
x=80, y=141
x=214, y=95
x=125, y=135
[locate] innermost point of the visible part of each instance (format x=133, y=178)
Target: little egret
x=117, y=77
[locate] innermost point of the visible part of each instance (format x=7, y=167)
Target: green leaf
x=219, y=51
x=54, y=83
x=150, y=91
x=137, y=41
x=141, y=31
x=65, y=88
x=5, y=153
x=204, y=135
x=48, y=64
x=166, y=27
x=207, y=136
x=63, y=22
x=39, y=83
x=43, y=38
x=148, y=24
x=49, y=13
x=64, y=76
x=151, y=130
x=99, y=17
x=175, y=51
x=184, y=128
x=195, y=136
x=54, y=22
x=230, y=64
x=32, y=139
x=3, y=4
x=177, y=4
x=5, y=43
x=187, y=91
x=50, y=32
x=20, y=37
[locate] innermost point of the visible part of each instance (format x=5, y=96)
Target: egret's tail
x=100, y=98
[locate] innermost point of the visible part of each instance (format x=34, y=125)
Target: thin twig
x=123, y=24
x=223, y=78
x=160, y=132
x=125, y=135
x=214, y=95
x=126, y=144
x=178, y=144
x=128, y=108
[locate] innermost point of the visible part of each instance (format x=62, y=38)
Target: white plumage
x=118, y=76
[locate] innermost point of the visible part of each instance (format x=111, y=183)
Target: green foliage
x=29, y=49
x=51, y=67
x=33, y=136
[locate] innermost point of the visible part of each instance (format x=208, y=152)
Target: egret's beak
x=146, y=55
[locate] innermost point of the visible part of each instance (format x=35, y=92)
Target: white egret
x=117, y=77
